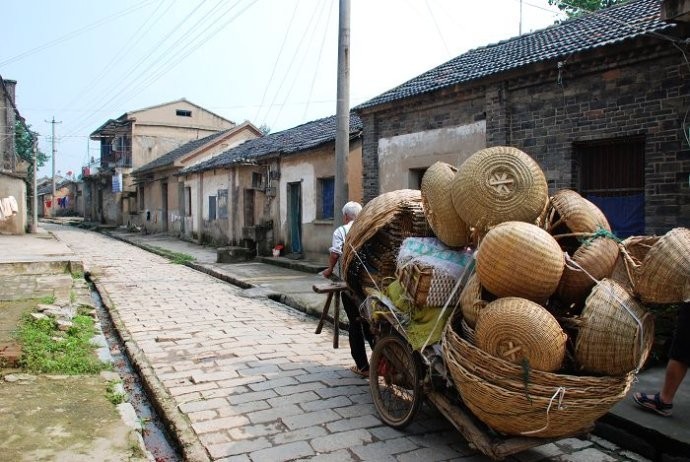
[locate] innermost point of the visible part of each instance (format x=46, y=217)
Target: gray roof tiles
x=303, y=137
x=557, y=42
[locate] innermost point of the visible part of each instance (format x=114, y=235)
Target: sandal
x=653, y=403
x=361, y=372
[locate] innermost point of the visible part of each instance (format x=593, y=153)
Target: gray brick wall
x=618, y=94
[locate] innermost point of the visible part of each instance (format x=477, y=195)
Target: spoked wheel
x=395, y=381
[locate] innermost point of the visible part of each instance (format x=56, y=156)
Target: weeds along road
x=247, y=379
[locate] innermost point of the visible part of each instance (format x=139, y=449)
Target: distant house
x=275, y=189
x=164, y=204
x=133, y=140
x=68, y=199
x=600, y=101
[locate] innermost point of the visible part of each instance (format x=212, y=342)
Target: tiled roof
x=296, y=139
x=170, y=158
x=605, y=27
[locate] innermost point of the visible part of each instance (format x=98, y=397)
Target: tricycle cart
x=400, y=379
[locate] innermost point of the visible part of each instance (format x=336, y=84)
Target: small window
x=222, y=203
x=416, y=175
x=188, y=201
x=211, y=207
x=326, y=198
x=183, y=113
x=257, y=180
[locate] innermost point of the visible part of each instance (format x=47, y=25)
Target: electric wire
x=318, y=60
x=292, y=62
x=275, y=64
x=301, y=65
x=75, y=33
x=438, y=30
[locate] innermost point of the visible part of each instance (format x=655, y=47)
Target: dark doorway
x=294, y=205
x=611, y=175
x=249, y=207
x=164, y=196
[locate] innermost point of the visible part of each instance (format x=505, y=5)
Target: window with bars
x=325, y=198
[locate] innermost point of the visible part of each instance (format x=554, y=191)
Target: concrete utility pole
x=52, y=205
x=34, y=215
x=342, y=133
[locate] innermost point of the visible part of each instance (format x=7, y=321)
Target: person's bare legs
x=675, y=373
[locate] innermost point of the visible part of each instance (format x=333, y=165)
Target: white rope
x=363, y=266
x=560, y=392
x=577, y=267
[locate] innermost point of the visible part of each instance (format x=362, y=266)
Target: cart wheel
x=395, y=381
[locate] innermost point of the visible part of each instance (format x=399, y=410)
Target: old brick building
x=601, y=102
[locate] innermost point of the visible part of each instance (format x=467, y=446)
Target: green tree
x=574, y=8
x=23, y=142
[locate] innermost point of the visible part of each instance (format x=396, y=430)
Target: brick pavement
x=242, y=379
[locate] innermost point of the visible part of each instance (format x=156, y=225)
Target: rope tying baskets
x=632, y=253
x=615, y=332
x=593, y=259
x=443, y=219
x=664, y=276
x=521, y=331
x=499, y=184
x=520, y=401
x=521, y=260
x=371, y=246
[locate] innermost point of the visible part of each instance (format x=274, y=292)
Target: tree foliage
x=574, y=8
x=23, y=142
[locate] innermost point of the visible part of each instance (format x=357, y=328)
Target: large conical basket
x=522, y=332
x=664, y=276
x=499, y=184
x=438, y=208
x=371, y=246
x=592, y=261
x=615, y=332
x=517, y=400
x=517, y=259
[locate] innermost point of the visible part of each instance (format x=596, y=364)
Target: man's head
x=351, y=210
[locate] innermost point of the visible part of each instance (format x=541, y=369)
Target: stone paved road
x=243, y=379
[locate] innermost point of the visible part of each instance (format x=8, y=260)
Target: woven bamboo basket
x=615, y=332
x=664, y=276
x=522, y=332
x=443, y=219
x=592, y=261
x=517, y=259
x=472, y=300
x=426, y=286
x=516, y=400
x=371, y=246
x=499, y=184
x=632, y=252
x=568, y=208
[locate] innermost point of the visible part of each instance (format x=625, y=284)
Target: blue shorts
x=680, y=346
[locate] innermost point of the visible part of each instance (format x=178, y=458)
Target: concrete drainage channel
x=156, y=438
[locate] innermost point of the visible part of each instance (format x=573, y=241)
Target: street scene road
x=246, y=379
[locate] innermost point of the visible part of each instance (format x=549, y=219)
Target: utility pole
x=34, y=215
x=52, y=205
x=342, y=133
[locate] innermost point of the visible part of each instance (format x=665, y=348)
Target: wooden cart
x=400, y=379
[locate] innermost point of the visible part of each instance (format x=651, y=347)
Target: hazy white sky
x=271, y=62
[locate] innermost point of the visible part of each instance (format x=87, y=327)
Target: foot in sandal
x=361, y=372
x=653, y=403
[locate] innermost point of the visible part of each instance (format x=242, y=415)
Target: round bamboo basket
x=568, y=208
x=522, y=332
x=499, y=184
x=517, y=259
x=664, y=276
x=371, y=246
x=471, y=301
x=615, y=332
x=592, y=261
x=443, y=219
x=520, y=401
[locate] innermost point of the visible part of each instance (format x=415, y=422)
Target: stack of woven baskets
x=551, y=326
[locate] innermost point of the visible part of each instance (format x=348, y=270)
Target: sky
x=270, y=62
